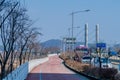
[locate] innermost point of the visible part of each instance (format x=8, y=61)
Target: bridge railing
x=19, y=74
x=22, y=71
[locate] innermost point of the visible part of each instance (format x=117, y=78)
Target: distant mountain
x=116, y=46
x=58, y=43
x=52, y=43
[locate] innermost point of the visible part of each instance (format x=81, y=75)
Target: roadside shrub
x=86, y=69
x=67, y=55
x=94, y=71
x=117, y=76
x=76, y=65
x=91, y=71
x=108, y=73
x=103, y=73
x=64, y=56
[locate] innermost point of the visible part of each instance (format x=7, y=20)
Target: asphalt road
x=53, y=70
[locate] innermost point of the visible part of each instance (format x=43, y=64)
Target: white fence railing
x=21, y=72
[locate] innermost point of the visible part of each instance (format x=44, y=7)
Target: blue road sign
x=101, y=45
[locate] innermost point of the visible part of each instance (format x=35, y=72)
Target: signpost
x=69, y=42
x=99, y=47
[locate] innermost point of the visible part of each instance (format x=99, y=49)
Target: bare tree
x=23, y=41
x=9, y=31
x=15, y=31
x=32, y=45
x=2, y=4
x=8, y=5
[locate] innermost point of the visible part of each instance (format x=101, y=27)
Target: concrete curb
x=36, y=62
x=33, y=63
x=81, y=73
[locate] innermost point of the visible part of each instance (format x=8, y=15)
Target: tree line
x=18, y=39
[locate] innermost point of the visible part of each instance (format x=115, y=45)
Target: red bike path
x=53, y=70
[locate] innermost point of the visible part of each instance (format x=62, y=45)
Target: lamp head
x=87, y=10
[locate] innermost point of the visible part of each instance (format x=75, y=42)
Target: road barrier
x=22, y=71
x=19, y=74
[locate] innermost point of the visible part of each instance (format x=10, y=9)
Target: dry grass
x=76, y=65
x=68, y=58
x=104, y=74
x=67, y=55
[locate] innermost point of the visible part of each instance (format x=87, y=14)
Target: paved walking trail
x=53, y=70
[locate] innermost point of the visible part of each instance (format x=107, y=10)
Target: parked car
x=105, y=63
x=86, y=59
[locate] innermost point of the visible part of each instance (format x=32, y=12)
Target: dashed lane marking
x=40, y=74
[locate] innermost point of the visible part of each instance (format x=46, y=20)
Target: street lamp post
x=73, y=40
x=73, y=20
x=69, y=30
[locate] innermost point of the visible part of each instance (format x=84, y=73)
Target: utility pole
x=72, y=22
x=72, y=44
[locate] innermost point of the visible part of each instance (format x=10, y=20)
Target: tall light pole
x=86, y=35
x=69, y=30
x=97, y=33
x=73, y=13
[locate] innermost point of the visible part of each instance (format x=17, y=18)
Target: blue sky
x=54, y=19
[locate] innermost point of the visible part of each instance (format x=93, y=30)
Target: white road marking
x=40, y=74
